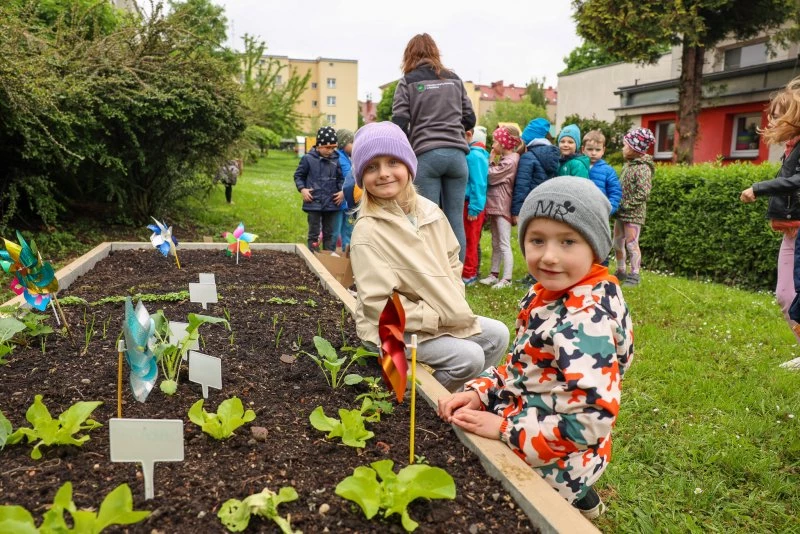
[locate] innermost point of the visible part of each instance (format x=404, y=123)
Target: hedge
x=697, y=227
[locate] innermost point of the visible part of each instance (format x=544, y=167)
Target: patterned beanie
x=536, y=129
x=479, y=135
x=326, y=136
x=345, y=137
x=572, y=131
x=639, y=139
x=574, y=201
x=505, y=138
x=381, y=139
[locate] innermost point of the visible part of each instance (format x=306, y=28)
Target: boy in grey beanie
x=574, y=343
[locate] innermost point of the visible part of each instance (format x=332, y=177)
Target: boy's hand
x=486, y=424
x=748, y=195
x=307, y=196
x=471, y=217
x=465, y=399
x=338, y=197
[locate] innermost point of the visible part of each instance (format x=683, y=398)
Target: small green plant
x=275, y=322
x=9, y=327
x=235, y=514
x=116, y=509
x=395, y=491
x=176, y=296
x=105, y=327
x=351, y=426
x=49, y=431
x=170, y=356
x=279, y=300
x=88, y=334
x=278, y=336
x=5, y=430
x=333, y=367
x=230, y=416
x=17, y=326
x=381, y=399
x=311, y=303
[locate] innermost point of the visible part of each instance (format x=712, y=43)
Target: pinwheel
x=163, y=239
x=139, y=329
x=391, y=327
x=239, y=241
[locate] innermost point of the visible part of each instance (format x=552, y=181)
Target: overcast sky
x=480, y=40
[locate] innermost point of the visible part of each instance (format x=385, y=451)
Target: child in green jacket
x=573, y=163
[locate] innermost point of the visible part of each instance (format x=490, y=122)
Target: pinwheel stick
x=55, y=313
x=120, y=350
x=237, y=250
x=413, y=395
x=64, y=318
x=175, y=251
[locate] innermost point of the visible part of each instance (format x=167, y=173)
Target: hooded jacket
x=478, y=165
x=388, y=253
x=538, y=164
x=323, y=176
x=636, y=181
x=783, y=190
x=605, y=178
x=574, y=165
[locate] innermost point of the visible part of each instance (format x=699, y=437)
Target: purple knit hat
x=381, y=139
x=639, y=139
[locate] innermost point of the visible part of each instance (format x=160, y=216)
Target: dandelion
x=698, y=491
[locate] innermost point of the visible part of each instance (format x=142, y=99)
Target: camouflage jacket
x=636, y=180
x=559, y=390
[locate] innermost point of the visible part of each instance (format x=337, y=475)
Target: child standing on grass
x=636, y=180
x=572, y=162
x=403, y=243
x=601, y=173
x=502, y=171
x=475, y=201
x=319, y=179
x=555, y=399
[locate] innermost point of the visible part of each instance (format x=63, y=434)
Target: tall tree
x=638, y=31
x=383, y=111
x=535, y=92
x=588, y=55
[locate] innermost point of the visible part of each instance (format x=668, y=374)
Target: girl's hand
x=748, y=195
x=486, y=424
x=465, y=399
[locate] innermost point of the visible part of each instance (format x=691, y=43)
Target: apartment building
x=331, y=96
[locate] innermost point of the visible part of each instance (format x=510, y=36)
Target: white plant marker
x=207, y=278
x=53, y=305
x=177, y=332
x=146, y=441
x=203, y=293
x=205, y=370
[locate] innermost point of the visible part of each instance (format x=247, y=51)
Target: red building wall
x=715, y=128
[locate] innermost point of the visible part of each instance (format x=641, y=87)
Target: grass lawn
x=707, y=438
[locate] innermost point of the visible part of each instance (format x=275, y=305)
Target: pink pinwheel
x=239, y=242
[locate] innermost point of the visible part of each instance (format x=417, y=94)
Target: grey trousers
x=455, y=361
x=442, y=178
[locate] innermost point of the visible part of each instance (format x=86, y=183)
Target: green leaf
x=322, y=422
x=325, y=349
x=5, y=430
x=234, y=514
x=363, y=488
x=59, y=431
x=221, y=425
x=8, y=327
x=352, y=379
x=117, y=509
x=16, y=520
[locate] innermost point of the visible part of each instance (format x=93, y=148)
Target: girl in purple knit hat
x=403, y=243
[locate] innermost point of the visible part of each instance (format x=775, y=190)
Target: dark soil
x=188, y=494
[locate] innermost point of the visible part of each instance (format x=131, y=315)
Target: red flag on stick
x=391, y=326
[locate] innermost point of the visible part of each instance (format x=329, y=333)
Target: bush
x=697, y=226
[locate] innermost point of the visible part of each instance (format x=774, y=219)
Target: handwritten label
x=205, y=370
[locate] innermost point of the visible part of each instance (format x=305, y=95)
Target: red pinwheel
x=391, y=326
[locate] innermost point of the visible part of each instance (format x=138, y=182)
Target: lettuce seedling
x=116, y=509
x=333, y=367
x=351, y=426
x=235, y=514
x=59, y=431
x=5, y=430
x=230, y=416
x=395, y=492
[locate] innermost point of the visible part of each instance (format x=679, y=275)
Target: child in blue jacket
x=601, y=173
x=538, y=164
x=475, y=201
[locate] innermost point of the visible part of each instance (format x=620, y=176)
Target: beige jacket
x=388, y=254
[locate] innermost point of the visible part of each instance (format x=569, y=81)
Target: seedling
x=88, y=333
x=395, y=491
x=351, y=426
x=310, y=303
x=49, y=431
x=235, y=514
x=333, y=367
x=5, y=430
x=105, y=327
x=380, y=398
x=230, y=416
x=279, y=300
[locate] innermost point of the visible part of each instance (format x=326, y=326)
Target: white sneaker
x=595, y=512
x=502, y=284
x=792, y=365
x=489, y=280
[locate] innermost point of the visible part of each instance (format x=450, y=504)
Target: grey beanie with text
x=574, y=201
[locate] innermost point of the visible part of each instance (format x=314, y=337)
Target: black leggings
x=228, y=193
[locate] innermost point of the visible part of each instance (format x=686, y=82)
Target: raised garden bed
x=188, y=494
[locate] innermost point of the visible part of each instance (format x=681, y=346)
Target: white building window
x=313, y=103
x=278, y=80
x=744, y=138
x=331, y=83
x=665, y=140
x=331, y=120
x=313, y=85
x=331, y=100
x=745, y=56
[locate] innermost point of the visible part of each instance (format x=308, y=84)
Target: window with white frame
x=331, y=120
x=313, y=85
x=744, y=138
x=331, y=100
x=665, y=140
x=331, y=83
x=745, y=56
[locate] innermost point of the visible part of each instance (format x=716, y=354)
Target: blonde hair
x=371, y=204
x=594, y=136
x=783, y=115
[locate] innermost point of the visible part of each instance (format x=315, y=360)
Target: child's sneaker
x=631, y=280
x=591, y=506
x=470, y=281
x=489, y=280
x=621, y=276
x=792, y=365
x=505, y=282
x=595, y=512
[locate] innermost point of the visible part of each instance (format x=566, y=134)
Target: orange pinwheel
x=391, y=327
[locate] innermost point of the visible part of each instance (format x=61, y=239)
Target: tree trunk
x=690, y=93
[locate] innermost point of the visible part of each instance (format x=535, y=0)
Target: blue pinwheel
x=163, y=240
x=139, y=329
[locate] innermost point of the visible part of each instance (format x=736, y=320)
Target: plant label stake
x=146, y=441
x=413, y=394
x=205, y=370
x=207, y=278
x=120, y=351
x=177, y=331
x=203, y=293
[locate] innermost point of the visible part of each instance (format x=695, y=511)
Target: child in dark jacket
x=537, y=164
x=601, y=173
x=319, y=179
